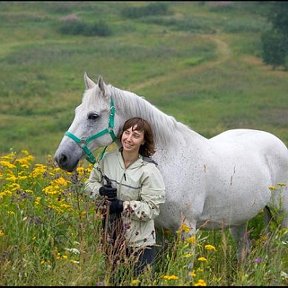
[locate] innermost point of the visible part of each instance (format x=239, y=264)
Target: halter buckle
x=83, y=142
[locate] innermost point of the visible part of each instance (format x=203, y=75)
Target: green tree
x=278, y=17
x=275, y=41
x=274, y=49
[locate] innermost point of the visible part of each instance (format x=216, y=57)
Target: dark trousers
x=139, y=258
x=145, y=256
x=114, y=244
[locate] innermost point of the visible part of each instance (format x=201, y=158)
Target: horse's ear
x=101, y=84
x=88, y=82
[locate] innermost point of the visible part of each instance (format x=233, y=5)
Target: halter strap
x=83, y=142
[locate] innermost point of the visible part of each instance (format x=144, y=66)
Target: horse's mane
x=165, y=127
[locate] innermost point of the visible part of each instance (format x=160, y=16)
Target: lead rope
x=102, y=153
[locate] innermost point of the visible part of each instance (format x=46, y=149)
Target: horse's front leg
x=240, y=235
x=188, y=231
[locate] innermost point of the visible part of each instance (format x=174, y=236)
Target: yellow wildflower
x=29, y=191
x=57, y=170
x=60, y=181
x=210, y=247
x=184, y=228
x=65, y=206
x=38, y=170
x=25, y=161
x=37, y=200
x=191, y=240
x=202, y=259
x=192, y=274
x=187, y=255
x=80, y=170
x=25, y=152
x=59, y=256
x=135, y=282
x=1, y=233
x=14, y=186
x=5, y=193
x=50, y=190
x=170, y=277
x=7, y=164
x=272, y=188
x=200, y=282
x=11, y=178
x=8, y=156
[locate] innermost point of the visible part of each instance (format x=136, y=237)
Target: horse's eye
x=93, y=116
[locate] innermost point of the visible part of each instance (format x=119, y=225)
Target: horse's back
x=242, y=164
x=246, y=135
x=275, y=154
x=256, y=143
x=264, y=142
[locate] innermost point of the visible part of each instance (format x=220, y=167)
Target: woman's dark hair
x=148, y=148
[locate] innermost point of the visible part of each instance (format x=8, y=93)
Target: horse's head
x=94, y=125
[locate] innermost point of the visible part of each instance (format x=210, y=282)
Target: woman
x=135, y=190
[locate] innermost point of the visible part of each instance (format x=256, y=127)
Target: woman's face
x=132, y=139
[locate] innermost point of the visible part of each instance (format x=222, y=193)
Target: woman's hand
x=108, y=191
x=116, y=206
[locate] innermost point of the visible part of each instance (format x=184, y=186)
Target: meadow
x=50, y=234
x=197, y=61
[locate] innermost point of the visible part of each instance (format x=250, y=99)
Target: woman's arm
x=152, y=195
x=93, y=183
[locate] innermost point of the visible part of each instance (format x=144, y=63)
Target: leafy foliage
x=275, y=41
x=278, y=17
x=153, y=8
x=81, y=28
x=274, y=47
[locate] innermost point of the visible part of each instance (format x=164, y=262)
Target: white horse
x=210, y=183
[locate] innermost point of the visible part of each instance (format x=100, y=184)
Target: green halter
x=84, y=142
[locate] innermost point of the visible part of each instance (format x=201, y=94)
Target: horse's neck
x=168, y=132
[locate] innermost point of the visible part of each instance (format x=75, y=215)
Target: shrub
x=274, y=47
x=80, y=28
x=156, y=8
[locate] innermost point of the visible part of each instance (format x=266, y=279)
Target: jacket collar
x=139, y=162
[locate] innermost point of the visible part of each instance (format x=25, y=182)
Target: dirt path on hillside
x=223, y=53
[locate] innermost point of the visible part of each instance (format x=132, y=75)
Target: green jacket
x=142, y=189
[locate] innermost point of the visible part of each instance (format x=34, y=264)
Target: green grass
x=200, y=63
x=196, y=58
x=50, y=234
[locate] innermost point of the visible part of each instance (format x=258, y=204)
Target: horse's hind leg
x=186, y=234
x=241, y=237
x=280, y=203
x=284, y=208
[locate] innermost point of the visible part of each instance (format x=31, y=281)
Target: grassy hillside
x=197, y=61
